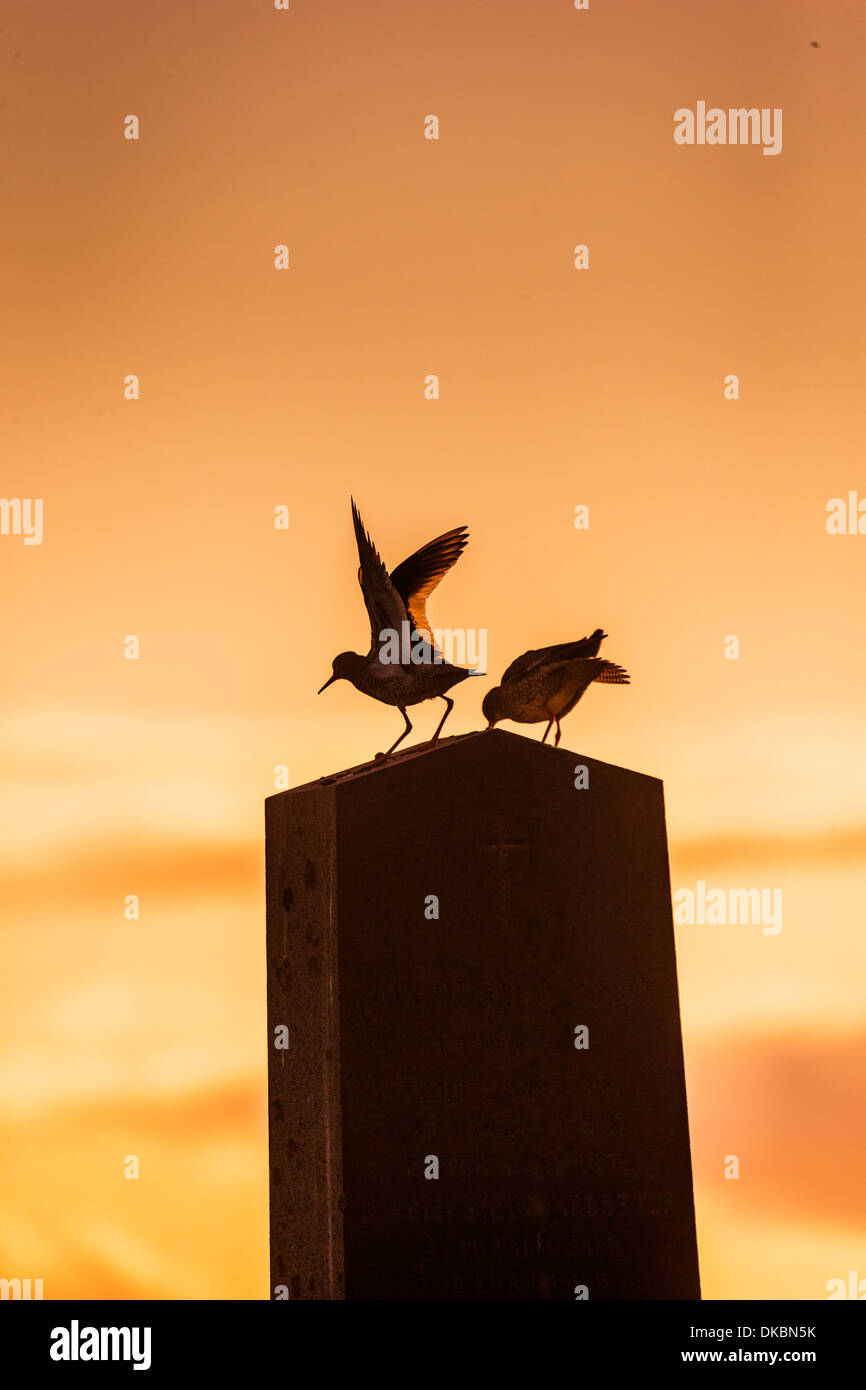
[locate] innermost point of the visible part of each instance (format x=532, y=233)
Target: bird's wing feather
x=564, y=651
x=416, y=577
x=384, y=603
x=521, y=665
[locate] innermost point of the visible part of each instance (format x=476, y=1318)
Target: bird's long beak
x=327, y=683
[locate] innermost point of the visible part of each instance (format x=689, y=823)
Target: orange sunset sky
x=602, y=387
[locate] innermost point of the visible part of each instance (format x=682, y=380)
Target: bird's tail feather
x=611, y=674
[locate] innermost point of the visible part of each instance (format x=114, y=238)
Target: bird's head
x=345, y=667
x=491, y=706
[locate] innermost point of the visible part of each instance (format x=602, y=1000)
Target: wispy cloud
x=843, y=844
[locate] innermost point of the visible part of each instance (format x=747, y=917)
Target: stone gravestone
x=482, y=1097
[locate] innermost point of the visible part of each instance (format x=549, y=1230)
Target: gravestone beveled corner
x=471, y=946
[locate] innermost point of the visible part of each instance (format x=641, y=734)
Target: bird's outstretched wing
x=385, y=606
x=564, y=651
x=417, y=577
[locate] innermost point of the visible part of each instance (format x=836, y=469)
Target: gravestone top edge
x=491, y=737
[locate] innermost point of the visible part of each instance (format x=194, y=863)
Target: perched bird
x=403, y=666
x=547, y=684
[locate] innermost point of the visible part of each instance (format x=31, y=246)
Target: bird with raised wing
x=546, y=684
x=403, y=666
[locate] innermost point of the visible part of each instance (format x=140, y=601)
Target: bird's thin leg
x=407, y=730
x=558, y=735
x=547, y=730
x=449, y=705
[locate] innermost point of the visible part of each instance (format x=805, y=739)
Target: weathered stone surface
x=455, y=1038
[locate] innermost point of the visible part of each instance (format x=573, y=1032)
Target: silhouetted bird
x=547, y=683
x=403, y=666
